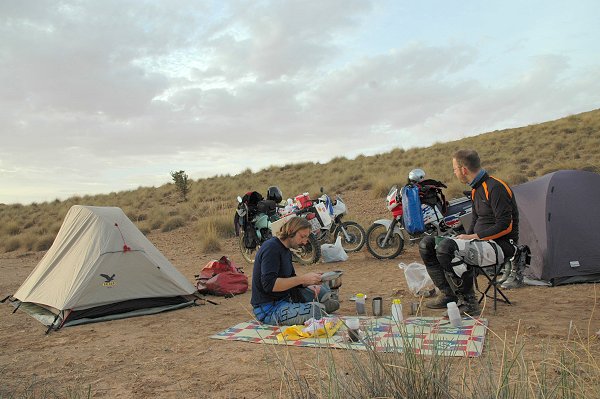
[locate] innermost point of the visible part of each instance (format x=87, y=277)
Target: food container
x=332, y=279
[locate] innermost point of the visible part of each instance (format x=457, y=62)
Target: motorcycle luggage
x=412, y=214
x=267, y=207
x=250, y=237
x=303, y=201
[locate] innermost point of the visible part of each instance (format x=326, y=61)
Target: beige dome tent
x=101, y=267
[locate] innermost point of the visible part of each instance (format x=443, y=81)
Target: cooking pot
x=332, y=279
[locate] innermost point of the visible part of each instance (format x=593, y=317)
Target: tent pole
x=204, y=299
x=52, y=324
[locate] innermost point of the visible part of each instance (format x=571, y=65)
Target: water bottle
x=360, y=304
x=397, y=316
x=454, y=315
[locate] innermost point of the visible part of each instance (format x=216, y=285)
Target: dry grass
x=566, y=368
x=516, y=155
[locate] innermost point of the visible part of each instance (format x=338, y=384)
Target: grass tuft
x=173, y=223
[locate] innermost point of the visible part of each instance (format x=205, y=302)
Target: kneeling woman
x=279, y=296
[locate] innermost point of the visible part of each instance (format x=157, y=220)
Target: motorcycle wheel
x=392, y=248
x=356, y=235
x=309, y=253
x=247, y=254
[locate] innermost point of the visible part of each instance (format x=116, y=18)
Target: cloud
x=118, y=93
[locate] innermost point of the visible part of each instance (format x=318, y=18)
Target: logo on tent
x=109, y=280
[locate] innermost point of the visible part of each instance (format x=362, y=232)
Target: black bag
x=250, y=237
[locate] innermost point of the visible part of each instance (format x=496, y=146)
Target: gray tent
x=101, y=267
x=559, y=218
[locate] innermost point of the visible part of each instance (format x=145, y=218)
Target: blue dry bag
x=412, y=215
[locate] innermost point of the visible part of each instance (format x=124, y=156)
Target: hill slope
x=517, y=155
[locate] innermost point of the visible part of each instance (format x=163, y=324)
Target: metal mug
x=353, y=329
x=414, y=308
x=377, y=306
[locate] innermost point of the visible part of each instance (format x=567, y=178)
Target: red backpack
x=221, y=277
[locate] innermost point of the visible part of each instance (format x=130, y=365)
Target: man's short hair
x=468, y=158
x=292, y=226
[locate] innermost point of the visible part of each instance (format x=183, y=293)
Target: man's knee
x=427, y=247
x=446, y=247
x=445, y=252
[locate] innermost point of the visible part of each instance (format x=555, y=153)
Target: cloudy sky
x=101, y=96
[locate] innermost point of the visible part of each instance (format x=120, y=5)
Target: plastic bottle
x=454, y=315
x=397, y=315
x=360, y=304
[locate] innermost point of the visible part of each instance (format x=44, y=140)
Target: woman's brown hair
x=292, y=226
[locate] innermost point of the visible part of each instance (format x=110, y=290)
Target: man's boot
x=447, y=294
x=470, y=304
x=515, y=279
x=436, y=273
x=506, y=268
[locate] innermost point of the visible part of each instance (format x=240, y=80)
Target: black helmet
x=274, y=194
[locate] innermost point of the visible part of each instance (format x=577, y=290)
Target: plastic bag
x=418, y=280
x=333, y=252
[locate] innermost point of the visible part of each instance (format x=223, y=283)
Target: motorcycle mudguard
x=387, y=223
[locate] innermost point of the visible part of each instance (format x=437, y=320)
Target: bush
x=381, y=188
x=12, y=244
x=44, y=243
x=12, y=229
x=210, y=240
x=219, y=225
x=172, y=224
x=181, y=182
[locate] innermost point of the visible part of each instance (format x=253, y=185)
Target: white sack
x=333, y=252
x=417, y=278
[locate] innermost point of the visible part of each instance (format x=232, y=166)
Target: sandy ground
x=170, y=355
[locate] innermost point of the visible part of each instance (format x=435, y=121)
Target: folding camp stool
x=492, y=273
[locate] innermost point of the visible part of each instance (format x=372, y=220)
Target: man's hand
x=311, y=279
x=285, y=283
x=467, y=237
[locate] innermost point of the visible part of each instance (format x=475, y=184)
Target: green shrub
x=182, y=183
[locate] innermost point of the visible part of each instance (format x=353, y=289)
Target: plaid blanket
x=425, y=335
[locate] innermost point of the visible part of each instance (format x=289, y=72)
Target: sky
x=105, y=96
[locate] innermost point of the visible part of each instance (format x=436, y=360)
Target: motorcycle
x=255, y=218
x=328, y=224
x=385, y=238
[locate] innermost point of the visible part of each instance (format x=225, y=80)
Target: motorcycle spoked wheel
x=309, y=253
x=247, y=253
x=356, y=235
x=392, y=248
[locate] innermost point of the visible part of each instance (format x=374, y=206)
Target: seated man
x=495, y=217
x=279, y=296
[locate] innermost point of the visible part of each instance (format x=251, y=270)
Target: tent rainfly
x=101, y=267
x=558, y=219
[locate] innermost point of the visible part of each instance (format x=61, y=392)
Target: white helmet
x=416, y=175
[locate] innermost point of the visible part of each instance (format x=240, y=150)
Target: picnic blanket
x=424, y=335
